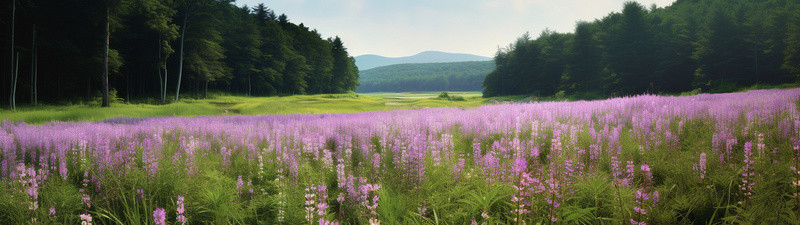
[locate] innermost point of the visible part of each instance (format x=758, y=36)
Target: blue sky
x=402, y=28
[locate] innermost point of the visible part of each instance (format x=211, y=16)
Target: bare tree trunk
x=14, y=89
x=205, y=90
x=36, y=77
x=13, y=18
x=180, y=61
x=104, y=80
x=33, y=65
x=166, y=77
x=160, y=75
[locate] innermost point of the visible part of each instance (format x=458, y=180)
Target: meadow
x=702, y=159
x=223, y=105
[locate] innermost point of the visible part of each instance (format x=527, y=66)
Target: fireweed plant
x=710, y=158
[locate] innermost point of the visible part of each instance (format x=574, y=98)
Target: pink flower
x=159, y=216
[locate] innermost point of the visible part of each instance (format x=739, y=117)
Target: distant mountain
x=365, y=62
x=452, y=76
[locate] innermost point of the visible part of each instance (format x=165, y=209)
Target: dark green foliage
x=243, y=50
x=713, y=45
x=457, y=76
x=583, y=60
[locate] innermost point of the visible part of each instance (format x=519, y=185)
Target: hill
x=452, y=76
x=365, y=62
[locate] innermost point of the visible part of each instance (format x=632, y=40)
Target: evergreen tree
x=723, y=53
x=582, y=72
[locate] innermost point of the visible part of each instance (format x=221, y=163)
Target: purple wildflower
x=180, y=217
x=86, y=219
x=159, y=216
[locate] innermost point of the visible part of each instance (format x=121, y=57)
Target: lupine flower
x=159, y=216
x=322, y=206
x=747, y=170
x=86, y=219
x=645, y=196
x=139, y=194
x=239, y=184
x=180, y=217
x=701, y=167
x=323, y=221
x=87, y=201
x=52, y=211
x=457, y=168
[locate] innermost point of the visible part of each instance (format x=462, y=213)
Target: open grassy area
x=239, y=105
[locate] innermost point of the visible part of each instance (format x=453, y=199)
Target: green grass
x=221, y=105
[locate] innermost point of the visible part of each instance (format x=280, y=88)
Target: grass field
x=221, y=105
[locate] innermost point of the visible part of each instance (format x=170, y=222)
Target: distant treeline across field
x=455, y=76
x=711, y=45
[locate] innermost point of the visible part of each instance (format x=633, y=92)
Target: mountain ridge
x=369, y=61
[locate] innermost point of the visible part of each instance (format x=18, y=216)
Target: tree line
x=713, y=45
x=454, y=76
x=76, y=50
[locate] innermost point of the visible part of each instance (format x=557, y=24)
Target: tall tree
x=791, y=61
x=723, y=53
x=553, y=47
x=13, y=80
x=582, y=73
x=343, y=77
x=630, y=54
x=106, y=43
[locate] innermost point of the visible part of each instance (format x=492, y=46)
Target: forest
x=454, y=76
x=72, y=51
x=705, y=45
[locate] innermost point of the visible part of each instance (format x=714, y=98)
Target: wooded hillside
x=714, y=45
x=456, y=76
x=156, y=48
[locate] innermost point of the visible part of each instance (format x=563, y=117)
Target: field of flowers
x=711, y=158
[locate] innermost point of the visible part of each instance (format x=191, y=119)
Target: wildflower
x=139, y=194
x=701, y=168
x=180, y=210
x=87, y=201
x=747, y=170
x=86, y=219
x=309, y=205
x=323, y=221
x=322, y=191
x=239, y=184
x=159, y=216
x=458, y=167
x=645, y=196
x=53, y=211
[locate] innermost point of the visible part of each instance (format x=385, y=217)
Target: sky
x=396, y=28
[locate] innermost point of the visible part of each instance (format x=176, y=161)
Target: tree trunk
x=164, y=92
x=13, y=18
x=104, y=80
x=33, y=65
x=180, y=61
x=160, y=76
x=205, y=90
x=14, y=89
x=36, y=77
